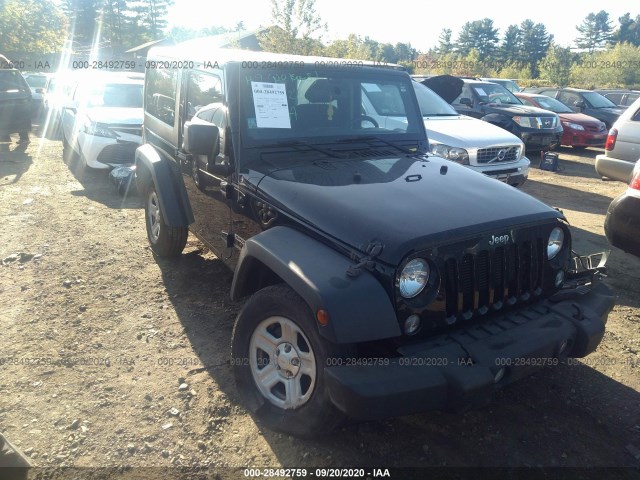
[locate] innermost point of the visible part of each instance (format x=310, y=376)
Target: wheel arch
x=359, y=307
x=152, y=168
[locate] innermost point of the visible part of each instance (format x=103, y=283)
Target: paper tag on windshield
x=271, y=104
x=481, y=92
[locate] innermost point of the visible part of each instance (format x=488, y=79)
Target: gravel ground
x=113, y=358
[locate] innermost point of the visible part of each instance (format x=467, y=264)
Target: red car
x=579, y=130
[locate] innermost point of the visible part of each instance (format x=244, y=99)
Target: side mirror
x=40, y=90
x=200, y=138
x=466, y=101
x=580, y=105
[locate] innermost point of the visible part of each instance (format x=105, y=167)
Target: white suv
x=479, y=145
x=102, y=121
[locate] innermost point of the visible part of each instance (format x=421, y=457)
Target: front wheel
x=278, y=360
x=165, y=241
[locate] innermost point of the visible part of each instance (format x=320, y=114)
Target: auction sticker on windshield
x=271, y=104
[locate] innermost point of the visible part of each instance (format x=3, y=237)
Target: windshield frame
x=365, y=74
x=495, y=86
x=589, y=96
x=553, y=102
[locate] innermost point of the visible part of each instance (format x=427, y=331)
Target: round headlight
x=414, y=277
x=556, y=240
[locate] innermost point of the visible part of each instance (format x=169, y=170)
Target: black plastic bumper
x=458, y=370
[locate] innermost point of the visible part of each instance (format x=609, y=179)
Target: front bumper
x=513, y=173
x=576, y=138
x=540, y=140
x=104, y=152
x=459, y=369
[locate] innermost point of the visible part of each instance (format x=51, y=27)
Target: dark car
x=15, y=104
x=622, y=98
x=622, y=223
x=585, y=101
x=580, y=130
x=539, y=129
x=381, y=280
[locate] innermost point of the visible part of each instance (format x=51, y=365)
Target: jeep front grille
x=476, y=282
x=498, y=154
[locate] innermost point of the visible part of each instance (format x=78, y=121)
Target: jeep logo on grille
x=499, y=240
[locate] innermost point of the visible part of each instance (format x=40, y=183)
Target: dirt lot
x=98, y=338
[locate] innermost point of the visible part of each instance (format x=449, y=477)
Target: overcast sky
x=408, y=21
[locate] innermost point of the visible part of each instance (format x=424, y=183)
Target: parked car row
x=15, y=104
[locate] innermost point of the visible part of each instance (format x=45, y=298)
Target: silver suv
x=479, y=145
x=622, y=148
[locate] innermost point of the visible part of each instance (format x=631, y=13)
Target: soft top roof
x=201, y=50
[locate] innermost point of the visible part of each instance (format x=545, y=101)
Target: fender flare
x=502, y=121
x=174, y=202
x=359, y=308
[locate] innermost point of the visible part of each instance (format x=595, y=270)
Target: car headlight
x=97, y=129
x=459, y=155
x=573, y=126
x=414, y=277
x=525, y=121
x=556, y=241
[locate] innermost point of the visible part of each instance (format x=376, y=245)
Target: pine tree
x=595, y=31
x=444, y=42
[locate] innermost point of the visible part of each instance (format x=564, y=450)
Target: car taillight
x=635, y=181
x=611, y=140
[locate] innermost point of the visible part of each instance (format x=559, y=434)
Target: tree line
x=606, y=55
x=43, y=26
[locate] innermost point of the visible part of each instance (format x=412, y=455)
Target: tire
x=277, y=319
x=165, y=241
x=195, y=174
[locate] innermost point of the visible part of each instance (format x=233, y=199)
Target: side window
x=569, y=98
x=631, y=97
x=202, y=89
x=160, y=94
x=466, y=93
x=614, y=97
x=526, y=101
x=636, y=116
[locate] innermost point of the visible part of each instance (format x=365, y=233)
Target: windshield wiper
x=369, y=138
x=298, y=143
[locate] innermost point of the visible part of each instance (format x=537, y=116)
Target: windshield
x=12, y=81
x=552, y=104
x=124, y=95
x=494, y=93
x=326, y=105
x=598, y=101
x=431, y=104
x=36, y=81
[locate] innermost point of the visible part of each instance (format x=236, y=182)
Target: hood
x=522, y=110
x=467, y=132
x=115, y=115
x=407, y=203
x=447, y=86
x=579, y=118
x=617, y=111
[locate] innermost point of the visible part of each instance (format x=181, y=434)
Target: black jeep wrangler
x=381, y=280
